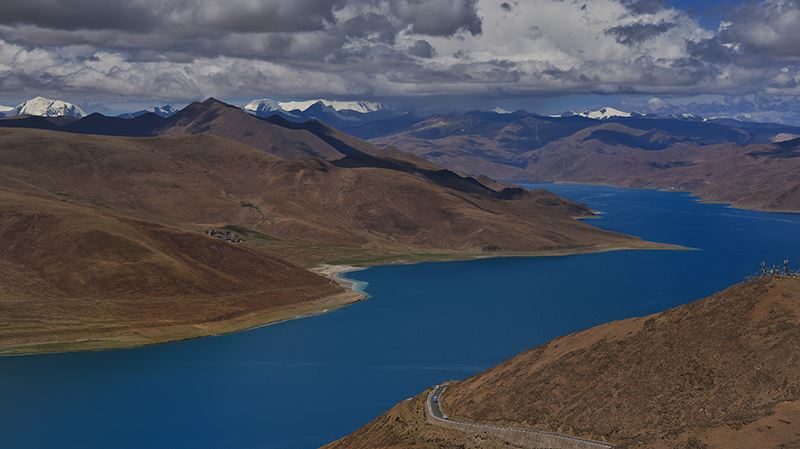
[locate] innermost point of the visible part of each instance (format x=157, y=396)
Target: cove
x=303, y=383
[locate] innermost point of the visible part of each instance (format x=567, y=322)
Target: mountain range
x=751, y=165
x=747, y=164
x=269, y=105
x=346, y=116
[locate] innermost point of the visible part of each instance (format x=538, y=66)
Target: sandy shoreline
x=337, y=274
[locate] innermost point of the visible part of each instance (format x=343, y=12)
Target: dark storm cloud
x=644, y=6
x=422, y=49
x=79, y=15
x=769, y=28
x=266, y=29
x=711, y=51
x=370, y=24
x=637, y=33
x=170, y=16
x=439, y=17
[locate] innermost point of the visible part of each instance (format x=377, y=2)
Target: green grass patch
x=245, y=203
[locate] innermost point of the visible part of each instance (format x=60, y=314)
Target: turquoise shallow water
x=302, y=383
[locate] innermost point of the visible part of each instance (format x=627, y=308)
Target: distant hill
x=720, y=160
x=720, y=373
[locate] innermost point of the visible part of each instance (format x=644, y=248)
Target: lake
x=302, y=383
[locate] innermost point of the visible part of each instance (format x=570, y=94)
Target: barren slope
x=106, y=246
x=763, y=176
x=74, y=276
x=715, y=162
x=718, y=373
x=206, y=181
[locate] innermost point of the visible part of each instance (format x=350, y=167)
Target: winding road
x=525, y=437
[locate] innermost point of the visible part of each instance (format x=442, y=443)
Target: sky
x=715, y=56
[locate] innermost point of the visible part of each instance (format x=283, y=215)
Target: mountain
x=263, y=107
x=266, y=105
x=77, y=275
x=45, y=107
x=105, y=234
x=719, y=373
x=343, y=115
x=720, y=160
x=161, y=111
x=7, y=110
x=363, y=107
x=605, y=113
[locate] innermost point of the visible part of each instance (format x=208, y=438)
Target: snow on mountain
x=604, y=113
x=688, y=117
x=161, y=111
x=499, y=110
x=262, y=105
x=45, y=107
x=265, y=105
x=357, y=106
x=7, y=110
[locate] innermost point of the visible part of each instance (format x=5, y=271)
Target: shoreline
x=699, y=198
x=159, y=335
x=337, y=273
x=354, y=292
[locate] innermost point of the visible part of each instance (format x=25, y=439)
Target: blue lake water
x=306, y=382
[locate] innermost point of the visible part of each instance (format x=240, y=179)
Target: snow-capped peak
x=499, y=110
x=45, y=107
x=270, y=105
x=604, y=113
x=163, y=111
x=262, y=105
x=7, y=110
x=357, y=106
x=688, y=116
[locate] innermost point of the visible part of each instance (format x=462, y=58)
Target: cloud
x=185, y=49
x=439, y=17
x=770, y=27
x=644, y=6
x=180, y=17
x=422, y=49
x=636, y=33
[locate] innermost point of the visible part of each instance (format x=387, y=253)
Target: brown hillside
x=757, y=176
x=718, y=373
x=751, y=176
x=202, y=180
x=69, y=273
x=216, y=118
x=105, y=243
